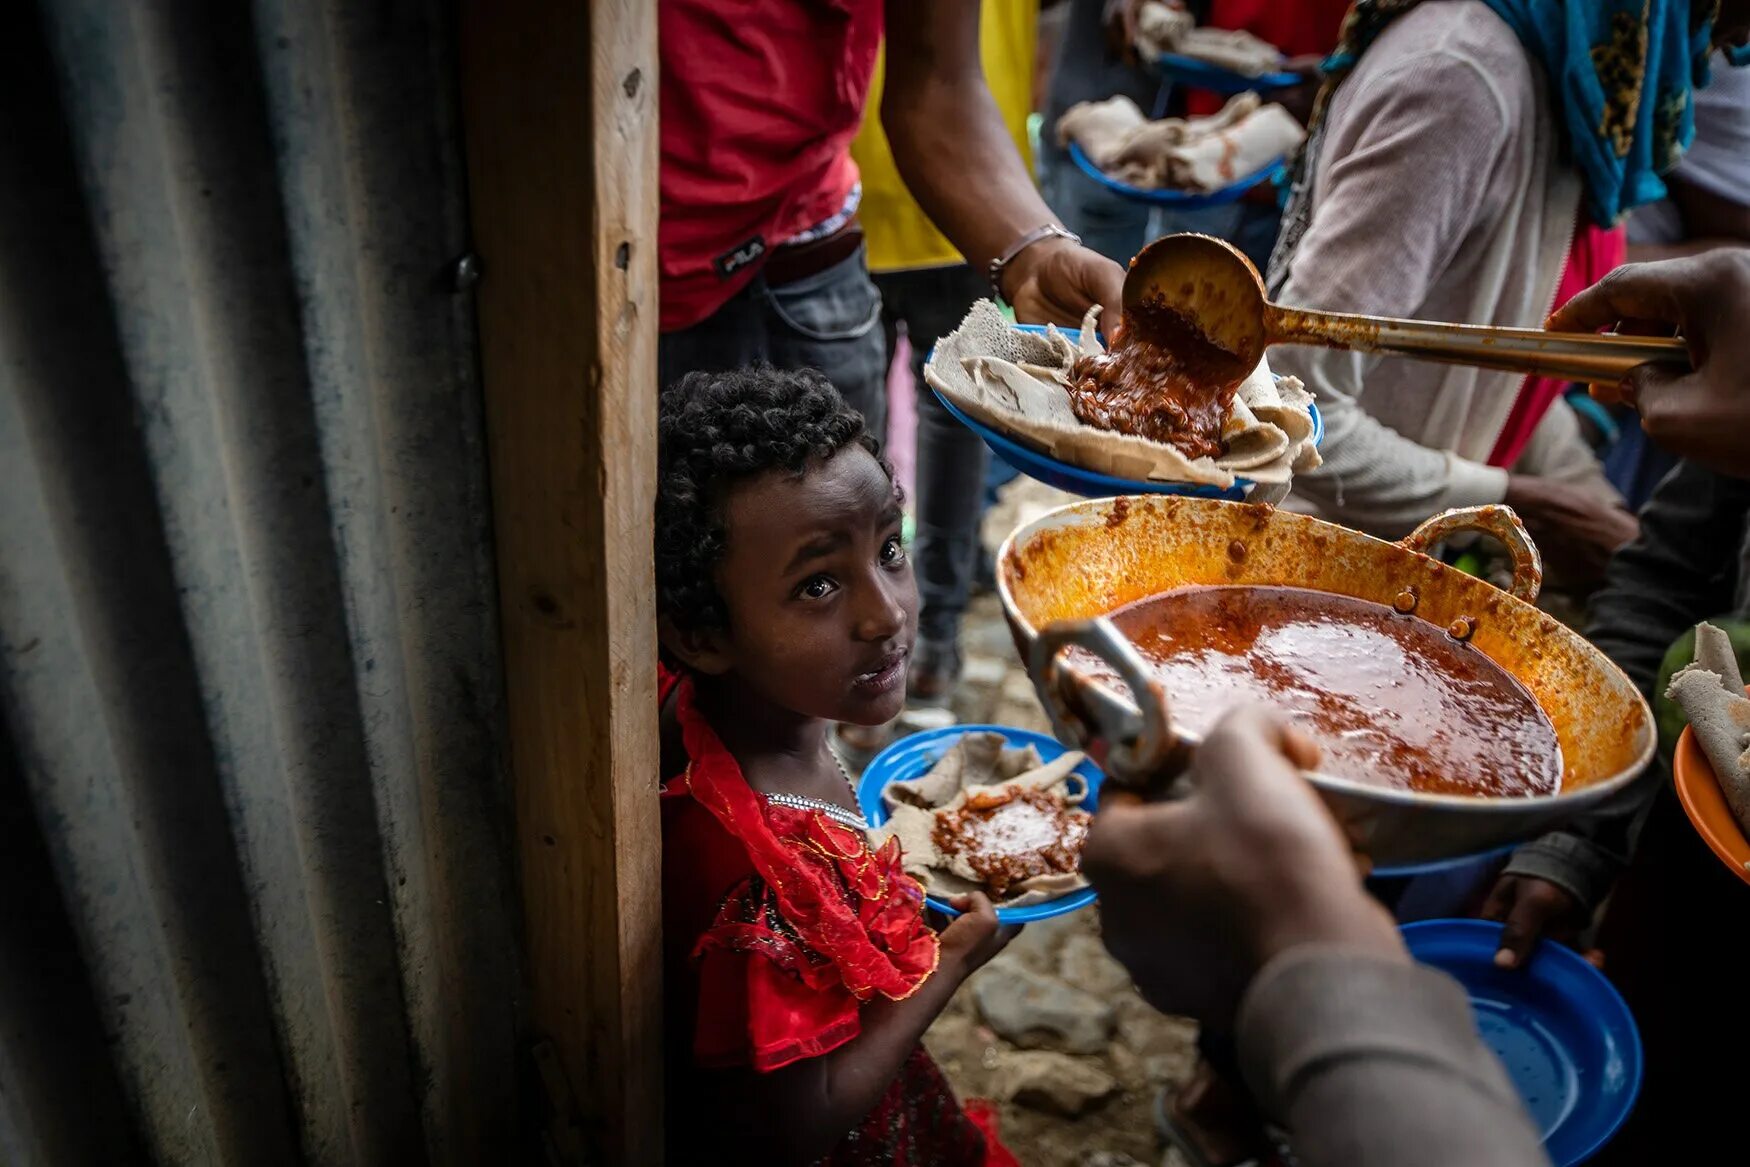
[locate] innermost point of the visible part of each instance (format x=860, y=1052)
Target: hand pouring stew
x=1391, y=699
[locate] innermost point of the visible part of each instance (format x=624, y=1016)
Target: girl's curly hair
x=716, y=429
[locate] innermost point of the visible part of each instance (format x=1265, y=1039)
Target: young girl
x=800, y=970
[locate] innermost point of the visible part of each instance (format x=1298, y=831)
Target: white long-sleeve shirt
x=1439, y=193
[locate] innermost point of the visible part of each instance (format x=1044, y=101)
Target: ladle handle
x=1142, y=749
x=1498, y=521
x=1568, y=356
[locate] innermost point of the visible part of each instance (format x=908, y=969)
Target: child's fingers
x=974, y=903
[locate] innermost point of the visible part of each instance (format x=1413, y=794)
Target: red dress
x=778, y=925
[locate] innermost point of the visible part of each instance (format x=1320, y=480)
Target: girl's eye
x=893, y=552
x=817, y=588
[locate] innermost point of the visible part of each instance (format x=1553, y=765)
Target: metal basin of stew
x=1454, y=717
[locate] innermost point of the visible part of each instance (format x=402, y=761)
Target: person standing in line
x=1708, y=207
x=761, y=250
x=1092, y=64
x=927, y=287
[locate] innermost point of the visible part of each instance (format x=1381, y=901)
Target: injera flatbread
x=1711, y=693
x=1015, y=382
x=1194, y=154
x=977, y=761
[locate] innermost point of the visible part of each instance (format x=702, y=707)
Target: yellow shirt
x=899, y=235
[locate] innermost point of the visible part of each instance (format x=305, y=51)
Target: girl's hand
x=974, y=936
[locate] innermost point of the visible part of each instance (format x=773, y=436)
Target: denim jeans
x=1249, y=226
x=931, y=302
x=826, y=321
x=1111, y=224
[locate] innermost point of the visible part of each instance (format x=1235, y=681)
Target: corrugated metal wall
x=254, y=893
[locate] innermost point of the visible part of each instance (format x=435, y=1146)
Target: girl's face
x=822, y=604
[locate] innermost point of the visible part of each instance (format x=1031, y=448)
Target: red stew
x=1392, y=699
x=1011, y=835
x=1163, y=380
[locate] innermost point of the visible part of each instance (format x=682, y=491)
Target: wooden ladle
x=1213, y=286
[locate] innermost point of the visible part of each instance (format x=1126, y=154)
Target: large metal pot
x=1062, y=572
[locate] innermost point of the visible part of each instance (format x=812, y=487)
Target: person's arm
x=797, y=1114
x=1558, y=482
x=1411, y=158
x=1710, y=215
x=1676, y=573
x=958, y=160
x=1243, y=898
x=1679, y=570
x=1372, y=1061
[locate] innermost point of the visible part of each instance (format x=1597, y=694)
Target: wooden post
x=559, y=109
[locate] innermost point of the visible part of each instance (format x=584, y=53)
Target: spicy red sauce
x=1011, y=835
x=1163, y=380
x=1391, y=699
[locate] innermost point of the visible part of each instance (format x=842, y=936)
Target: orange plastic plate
x=1698, y=789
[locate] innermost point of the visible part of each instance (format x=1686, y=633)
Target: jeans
x=931, y=302
x=825, y=321
x=1109, y=223
x=1249, y=226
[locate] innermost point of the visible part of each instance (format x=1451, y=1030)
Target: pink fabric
x=1595, y=251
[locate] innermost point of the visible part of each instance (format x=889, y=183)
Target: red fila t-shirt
x=760, y=101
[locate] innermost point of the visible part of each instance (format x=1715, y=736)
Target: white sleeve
x=1380, y=481
x=1558, y=451
x=1718, y=160
x=1410, y=174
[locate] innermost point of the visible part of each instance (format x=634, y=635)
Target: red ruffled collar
x=880, y=944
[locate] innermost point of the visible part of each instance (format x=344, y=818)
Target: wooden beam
x=559, y=110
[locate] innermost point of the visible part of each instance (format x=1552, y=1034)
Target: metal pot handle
x=1142, y=749
x=1498, y=521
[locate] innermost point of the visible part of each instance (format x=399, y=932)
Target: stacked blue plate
x=1182, y=199
x=911, y=757
x=1561, y=1029
x=1195, y=74
x=1091, y=483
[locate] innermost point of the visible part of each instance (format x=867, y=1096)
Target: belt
x=791, y=263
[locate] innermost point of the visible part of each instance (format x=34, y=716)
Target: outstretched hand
x=1530, y=909
x=974, y=936
x=1702, y=415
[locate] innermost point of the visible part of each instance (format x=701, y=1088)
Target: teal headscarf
x=1621, y=75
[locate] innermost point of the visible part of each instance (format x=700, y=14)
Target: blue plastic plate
x=1564, y=1033
x=912, y=757
x=1195, y=74
x=1434, y=867
x=1183, y=199
x=1091, y=483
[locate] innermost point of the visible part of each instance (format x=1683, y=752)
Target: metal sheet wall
x=253, y=839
